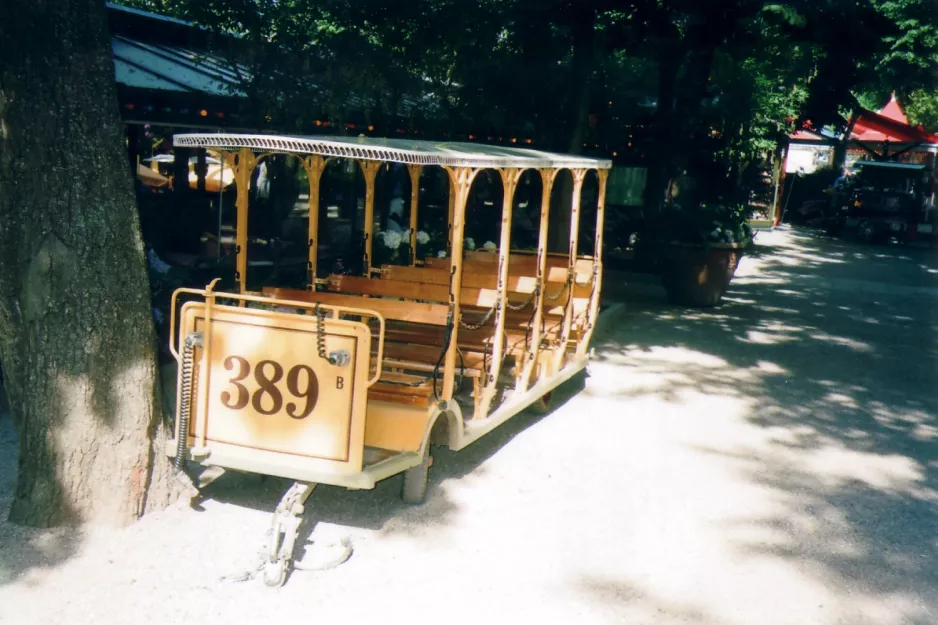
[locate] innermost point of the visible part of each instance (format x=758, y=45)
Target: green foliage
x=921, y=107
x=722, y=78
x=907, y=62
x=911, y=60
x=788, y=13
x=762, y=88
x=709, y=224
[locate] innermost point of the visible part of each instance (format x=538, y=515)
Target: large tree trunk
x=76, y=334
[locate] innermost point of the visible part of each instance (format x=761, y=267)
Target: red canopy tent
x=889, y=124
x=882, y=135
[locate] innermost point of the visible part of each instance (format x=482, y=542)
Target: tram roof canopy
x=408, y=151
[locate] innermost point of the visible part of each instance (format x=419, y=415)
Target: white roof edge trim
x=404, y=151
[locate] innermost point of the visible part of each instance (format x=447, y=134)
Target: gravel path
x=769, y=462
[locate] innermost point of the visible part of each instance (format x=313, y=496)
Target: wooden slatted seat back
x=518, y=287
x=517, y=264
x=415, y=390
x=391, y=310
x=428, y=292
x=474, y=276
x=426, y=284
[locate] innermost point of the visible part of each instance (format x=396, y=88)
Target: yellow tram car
x=350, y=380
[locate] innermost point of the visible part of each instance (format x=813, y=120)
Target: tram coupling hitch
x=339, y=357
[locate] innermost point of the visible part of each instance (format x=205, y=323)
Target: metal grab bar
x=274, y=301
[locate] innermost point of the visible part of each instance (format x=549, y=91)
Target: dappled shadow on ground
x=841, y=384
x=24, y=548
x=375, y=510
x=25, y=551
x=805, y=253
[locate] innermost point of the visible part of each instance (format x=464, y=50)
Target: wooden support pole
x=370, y=170
x=314, y=166
x=579, y=175
x=587, y=334
x=244, y=166
x=460, y=183
x=510, y=179
x=449, y=220
x=414, y=171
x=548, y=176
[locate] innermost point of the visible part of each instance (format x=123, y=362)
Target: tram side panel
x=262, y=394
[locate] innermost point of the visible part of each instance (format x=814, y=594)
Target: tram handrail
x=275, y=301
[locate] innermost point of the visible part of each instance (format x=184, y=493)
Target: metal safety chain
x=567, y=283
x=527, y=302
x=475, y=326
x=589, y=320
x=530, y=325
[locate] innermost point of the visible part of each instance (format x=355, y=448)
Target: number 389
x=302, y=384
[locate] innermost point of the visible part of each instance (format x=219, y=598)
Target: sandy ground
x=769, y=462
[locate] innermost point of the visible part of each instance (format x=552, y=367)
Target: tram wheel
x=414, y=490
x=543, y=403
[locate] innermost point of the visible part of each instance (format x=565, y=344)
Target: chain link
x=589, y=320
x=566, y=284
x=527, y=302
x=475, y=326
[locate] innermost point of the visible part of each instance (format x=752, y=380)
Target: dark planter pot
x=697, y=275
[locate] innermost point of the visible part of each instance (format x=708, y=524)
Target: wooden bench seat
x=476, y=298
x=392, y=386
x=425, y=357
x=484, y=277
x=406, y=322
x=477, y=302
x=414, y=330
x=474, y=301
x=424, y=323
x=516, y=262
x=402, y=389
x=414, y=312
x=467, y=340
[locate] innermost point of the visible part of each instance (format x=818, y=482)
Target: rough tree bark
x=76, y=334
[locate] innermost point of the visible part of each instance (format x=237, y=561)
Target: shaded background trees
x=670, y=84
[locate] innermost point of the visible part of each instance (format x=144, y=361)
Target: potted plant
x=699, y=250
